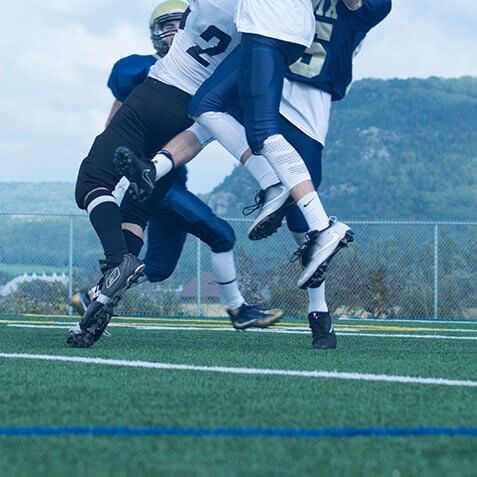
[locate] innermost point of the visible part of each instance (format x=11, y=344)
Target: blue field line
x=238, y=432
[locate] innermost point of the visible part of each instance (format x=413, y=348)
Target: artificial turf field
x=227, y=410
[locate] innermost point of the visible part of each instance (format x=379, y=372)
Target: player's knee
x=157, y=272
x=225, y=238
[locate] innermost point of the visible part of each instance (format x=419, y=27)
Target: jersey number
x=208, y=35
x=313, y=60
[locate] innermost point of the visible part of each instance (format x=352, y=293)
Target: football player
x=321, y=76
x=179, y=213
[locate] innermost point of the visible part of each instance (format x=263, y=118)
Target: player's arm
x=115, y=108
x=368, y=13
x=186, y=145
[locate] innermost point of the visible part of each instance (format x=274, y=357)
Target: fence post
x=198, y=279
x=436, y=271
x=70, y=266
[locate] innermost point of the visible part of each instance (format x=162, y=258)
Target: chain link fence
x=393, y=270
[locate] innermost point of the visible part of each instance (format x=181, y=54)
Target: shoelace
x=259, y=201
x=302, y=249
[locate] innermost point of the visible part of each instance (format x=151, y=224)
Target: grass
x=36, y=393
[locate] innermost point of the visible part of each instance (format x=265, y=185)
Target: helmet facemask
x=159, y=36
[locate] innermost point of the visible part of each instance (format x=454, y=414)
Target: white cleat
x=273, y=204
x=319, y=249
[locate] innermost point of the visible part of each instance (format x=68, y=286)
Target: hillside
x=397, y=149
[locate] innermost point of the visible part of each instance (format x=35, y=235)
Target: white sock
x=316, y=296
x=317, y=299
x=163, y=165
x=286, y=161
x=314, y=212
x=223, y=266
x=262, y=171
x=227, y=130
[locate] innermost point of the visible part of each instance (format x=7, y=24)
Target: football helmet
x=167, y=11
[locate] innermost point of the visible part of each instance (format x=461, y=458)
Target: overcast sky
x=55, y=58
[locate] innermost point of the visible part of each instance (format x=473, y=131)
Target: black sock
x=106, y=220
x=133, y=242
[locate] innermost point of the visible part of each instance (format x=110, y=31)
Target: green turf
x=67, y=394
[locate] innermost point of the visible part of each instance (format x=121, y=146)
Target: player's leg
x=196, y=218
x=144, y=172
x=152, y=115
x=319, y=317
x=217, y=95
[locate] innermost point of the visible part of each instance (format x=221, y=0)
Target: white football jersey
x=208, y=37
x=288, y=20
x=188, y=64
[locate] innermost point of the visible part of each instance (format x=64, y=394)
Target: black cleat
x=92, y=326
x=112, y=286
x=316, y=253
x=140, y=173
x=321, y=324
x=273, y=204
x=250, y=316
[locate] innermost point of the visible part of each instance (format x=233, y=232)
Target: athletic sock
x=262, y=171
x=311, y=207
x=133, y=242
x=223, y=266
x=105, y=216
x=163, y=163
x=317, y=299
x=316, y=296
x=286, y=161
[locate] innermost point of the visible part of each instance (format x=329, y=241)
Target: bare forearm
x=115, y=108
x=183, y=148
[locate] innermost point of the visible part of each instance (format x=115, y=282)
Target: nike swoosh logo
x=306, y=205
x=146, y=178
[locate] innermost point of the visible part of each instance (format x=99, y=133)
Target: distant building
x=209, y=290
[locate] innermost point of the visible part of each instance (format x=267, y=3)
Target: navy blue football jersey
x=328, y=63
x=128, y=73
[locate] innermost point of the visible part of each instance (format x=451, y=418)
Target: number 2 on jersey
x=208, y=35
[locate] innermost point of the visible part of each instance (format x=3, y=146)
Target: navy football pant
x=181, y=213
x=253, y=75
x=220, y=93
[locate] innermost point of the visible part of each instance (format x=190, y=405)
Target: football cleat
x=321, y=324
x=249, y=316
x=112, y=286
x=80, y=302
x=92, y=326
x=273, y=204
x=318, y=250
x=140, y=173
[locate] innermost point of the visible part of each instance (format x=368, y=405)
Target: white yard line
x=346, y=376
x=376, y=334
